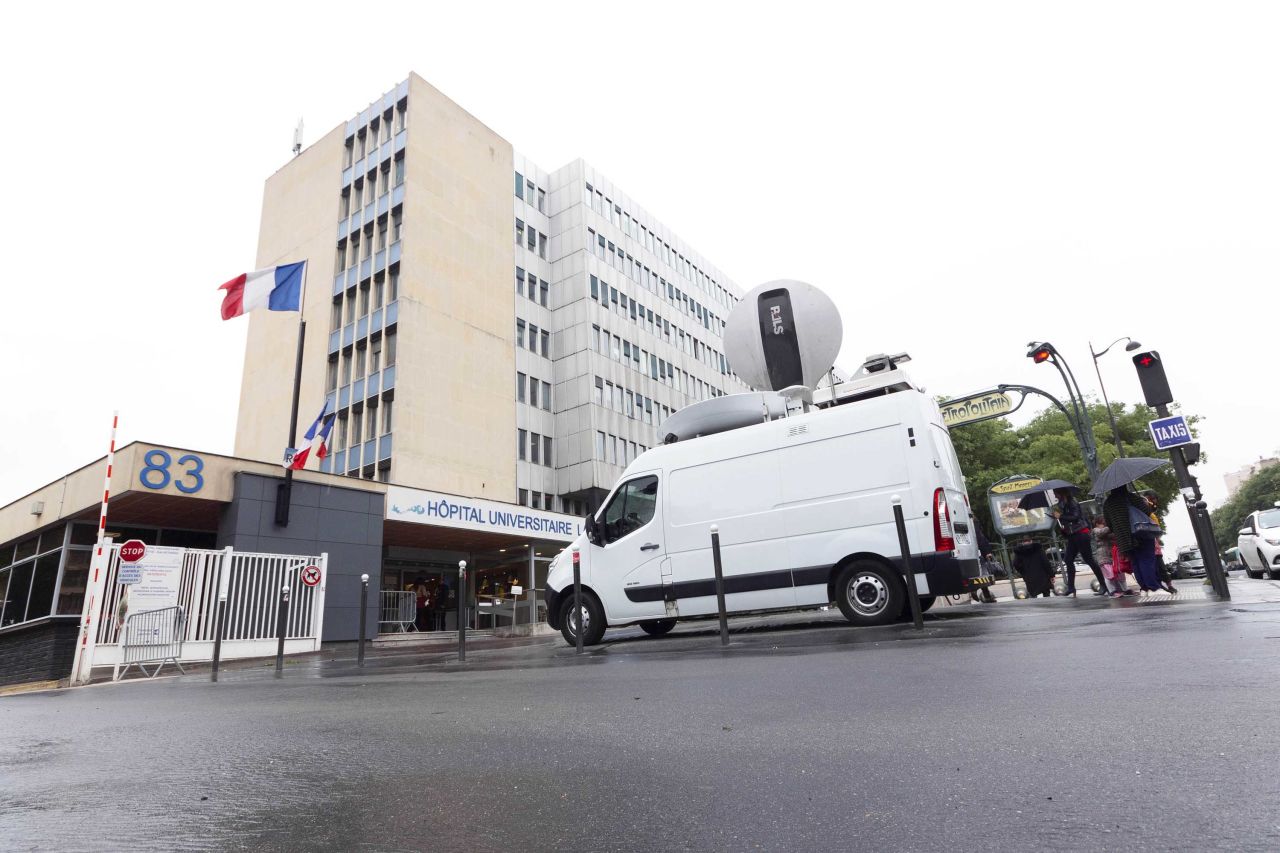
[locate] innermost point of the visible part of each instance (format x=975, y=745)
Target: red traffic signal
x=1155, y=385
x=1040, y=354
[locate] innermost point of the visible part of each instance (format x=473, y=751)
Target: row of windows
x=659, y=327
x=529, y=237
x=366, y=187
x=533, y=196
x=355, y=249
x=617, y=451
x=369, y=296
x=540, y=500
x=539, y=452
x=351, y=430
x=539, y=339
x=534, y=398
x=630, y=226
x=366, y=358
x=637, y=272
x=642, y=360
x=630, y=403
x=528, y=285
x=381, y=128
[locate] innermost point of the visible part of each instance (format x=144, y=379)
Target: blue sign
x=1172, y=432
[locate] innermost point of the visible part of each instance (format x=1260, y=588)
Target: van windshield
x=632, y=507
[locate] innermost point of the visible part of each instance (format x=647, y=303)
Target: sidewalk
x=812, y=628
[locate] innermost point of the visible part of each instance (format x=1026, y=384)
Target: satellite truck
x=799, y=483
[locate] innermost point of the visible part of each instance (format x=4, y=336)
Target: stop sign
x=133, y=551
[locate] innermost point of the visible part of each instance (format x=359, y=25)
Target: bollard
x=917, y=615
x=715, y=556
x=218, y=630
x=577, y=597
x=462, y=610
x=282, y=623
x=364, y=602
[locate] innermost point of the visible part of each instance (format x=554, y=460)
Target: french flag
x=278, y=289
x=317, y=439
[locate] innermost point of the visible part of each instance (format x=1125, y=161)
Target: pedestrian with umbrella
x=1075, y=529
x=1128, y=516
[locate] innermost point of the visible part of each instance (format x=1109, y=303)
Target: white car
x=1259, y=543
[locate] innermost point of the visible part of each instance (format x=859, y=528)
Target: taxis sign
x=976, y=407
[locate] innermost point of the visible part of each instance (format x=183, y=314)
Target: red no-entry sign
x=133, y=551
x=311, y=575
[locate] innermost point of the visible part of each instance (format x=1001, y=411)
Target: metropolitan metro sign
x=1170, y=432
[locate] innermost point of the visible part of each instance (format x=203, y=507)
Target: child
x=1104, y=551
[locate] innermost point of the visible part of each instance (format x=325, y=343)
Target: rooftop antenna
x=297, y=139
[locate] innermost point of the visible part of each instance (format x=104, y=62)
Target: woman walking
x=1140, y=549
x=1103, y=550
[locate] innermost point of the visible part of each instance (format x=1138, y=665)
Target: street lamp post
x=1043, y=351
x=1129, y=347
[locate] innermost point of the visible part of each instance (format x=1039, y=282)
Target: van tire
x=868, y=593
x=595, y=620
x=658, y=627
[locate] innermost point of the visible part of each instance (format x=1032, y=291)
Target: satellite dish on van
x=782, y=334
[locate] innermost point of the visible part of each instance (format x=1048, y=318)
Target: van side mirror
x=592, y=530
x=1244, y=531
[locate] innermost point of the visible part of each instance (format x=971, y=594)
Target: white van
x=803, y=505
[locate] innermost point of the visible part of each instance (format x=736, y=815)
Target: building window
x=535, y=449
x=390, y=348
x=399, y=171
x=519, y=185
x=542, y=201
x=533, y=392
x=520, y=280
x=520, y=333
x=520, y=387
x=599, y=398
x=386, y=416
x=543, y=292
x=396, y=221
x=533, y=338
x=546, y=452
x=393, y=285
x=537, y=499
x=545, y=340
x=523, y=497
x=331, y=375
x=600, y=446
x=520, y=442
x=542, y=246
x=546, y=396
x=519, y=231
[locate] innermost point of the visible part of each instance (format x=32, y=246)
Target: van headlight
x=1273, y=541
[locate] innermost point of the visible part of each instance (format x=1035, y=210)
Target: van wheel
x=592, y=615
x=658, y=627
x=869, y=594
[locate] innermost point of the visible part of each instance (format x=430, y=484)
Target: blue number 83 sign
x=156, y=474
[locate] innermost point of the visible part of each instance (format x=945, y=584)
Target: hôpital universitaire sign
x=423, y=507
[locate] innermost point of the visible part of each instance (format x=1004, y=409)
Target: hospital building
x=498, y=341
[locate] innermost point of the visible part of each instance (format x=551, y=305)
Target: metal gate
x=252, y=582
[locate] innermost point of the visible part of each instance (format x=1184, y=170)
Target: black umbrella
x=1124, y=471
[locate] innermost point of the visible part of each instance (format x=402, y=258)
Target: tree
x=1047, y=448
x=1260, y=491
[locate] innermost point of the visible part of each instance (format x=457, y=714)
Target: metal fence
x=253, y=594
x=399, y=612
x=151, y=636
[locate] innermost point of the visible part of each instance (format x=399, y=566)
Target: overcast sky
x=961, y=177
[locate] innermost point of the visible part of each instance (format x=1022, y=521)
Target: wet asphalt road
x=1054, y=725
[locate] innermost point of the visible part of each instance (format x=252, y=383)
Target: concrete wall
x=455, y=397
x=299, y=222
x=344, y=523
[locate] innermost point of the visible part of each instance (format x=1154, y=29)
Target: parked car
x=1188, y=564
x=1259, y=543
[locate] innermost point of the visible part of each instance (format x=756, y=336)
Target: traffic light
x=1040, y=354
x=1155, y=385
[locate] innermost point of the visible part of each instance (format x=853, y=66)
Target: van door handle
x=650, y=546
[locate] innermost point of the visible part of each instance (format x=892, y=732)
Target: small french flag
x=277, y=289
x=317, y=439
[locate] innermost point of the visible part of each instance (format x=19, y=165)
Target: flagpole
x=284, y=492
